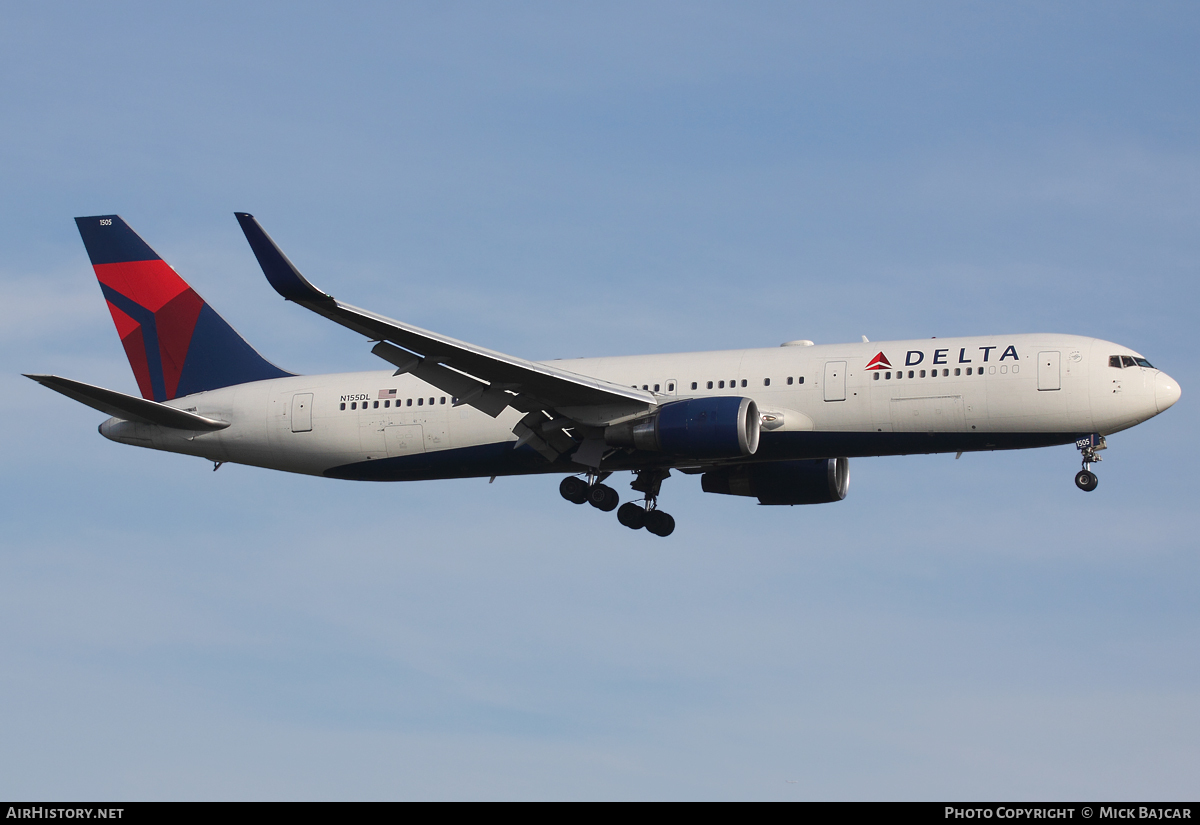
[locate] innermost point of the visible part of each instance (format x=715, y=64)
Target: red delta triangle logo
x=879, y=362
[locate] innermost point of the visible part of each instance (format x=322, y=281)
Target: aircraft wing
x=127, y=407
x=483, y=378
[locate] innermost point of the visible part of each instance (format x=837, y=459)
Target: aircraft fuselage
x=836, y=400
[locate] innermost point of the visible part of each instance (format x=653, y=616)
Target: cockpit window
x=1122, y=361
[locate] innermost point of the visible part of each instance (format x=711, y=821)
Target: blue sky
x=555, y=181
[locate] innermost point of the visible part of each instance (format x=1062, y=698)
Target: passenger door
x=1048, y=371
x=835, y=380
x=302, y=412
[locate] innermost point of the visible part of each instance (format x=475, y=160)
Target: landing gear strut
x=1085, y=479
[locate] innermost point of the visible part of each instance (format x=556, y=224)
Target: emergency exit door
x=835, y=380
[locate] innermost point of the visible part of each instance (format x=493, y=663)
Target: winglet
x=281, y=273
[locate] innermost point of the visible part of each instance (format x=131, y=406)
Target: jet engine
x=721, y=427
x=813, y=481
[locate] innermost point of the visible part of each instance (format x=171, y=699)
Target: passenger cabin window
x=710, y=385
x=721, y=385
x=420, y=402
x=656, y=387
x=789, y=380
x=766, y=382
x=670, y=388
x=408, y=403
x=343, y=405
x=875, y=375
x=800, y=380
x=694, y=385
x=743, y=382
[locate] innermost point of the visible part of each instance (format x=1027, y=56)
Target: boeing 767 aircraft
x=776, y=424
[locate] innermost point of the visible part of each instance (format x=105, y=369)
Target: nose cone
x=1166, y=391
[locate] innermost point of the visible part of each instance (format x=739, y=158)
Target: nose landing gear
x=1085, y=479
x=632, y=514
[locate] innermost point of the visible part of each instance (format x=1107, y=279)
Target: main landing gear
x=633, y=515
x=575, y=490
x=1085, y=479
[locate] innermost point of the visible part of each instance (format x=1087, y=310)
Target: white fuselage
x=933, y=395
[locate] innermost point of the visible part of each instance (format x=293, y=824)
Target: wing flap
x=128, y=407
x=463, y=388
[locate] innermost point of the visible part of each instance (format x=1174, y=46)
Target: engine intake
x=721, y=427
x=812, y=481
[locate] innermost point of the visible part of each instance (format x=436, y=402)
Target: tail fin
x=176, y=343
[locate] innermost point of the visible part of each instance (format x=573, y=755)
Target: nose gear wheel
x=1088, y=447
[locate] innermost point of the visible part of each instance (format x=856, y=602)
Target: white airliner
x=777, y=424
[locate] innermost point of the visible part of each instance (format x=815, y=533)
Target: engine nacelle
x=721, y=427
x=812, y=481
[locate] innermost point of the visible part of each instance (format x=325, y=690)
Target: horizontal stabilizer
x=128, y=407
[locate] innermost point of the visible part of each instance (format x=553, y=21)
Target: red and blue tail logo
x=176, y=343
